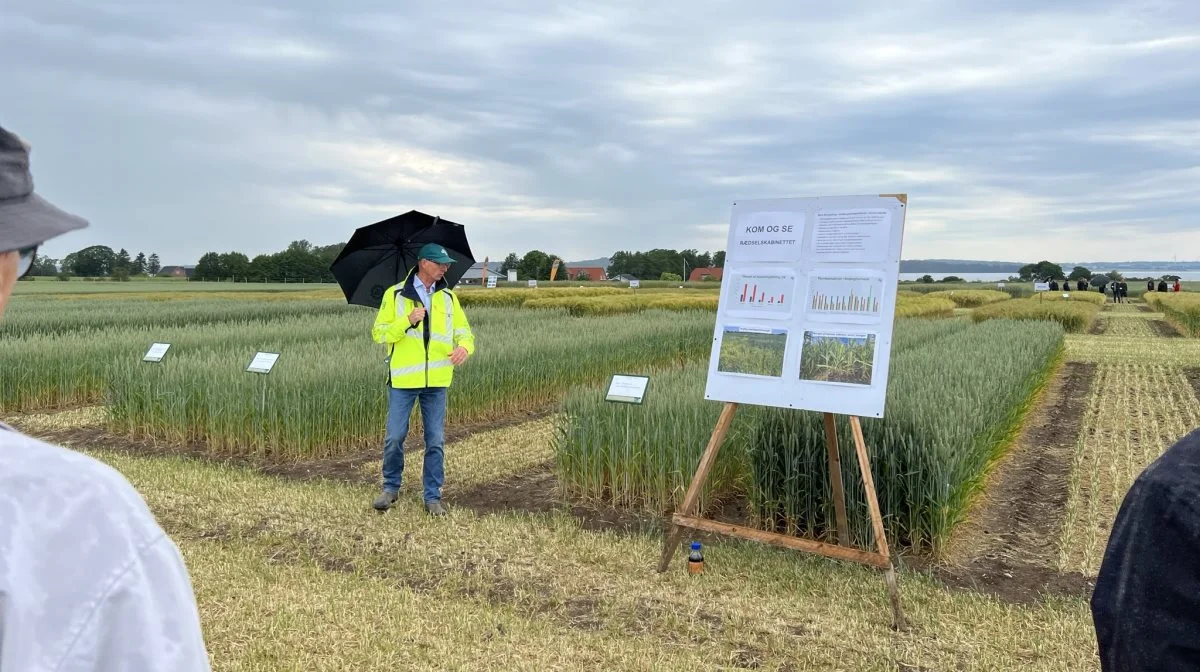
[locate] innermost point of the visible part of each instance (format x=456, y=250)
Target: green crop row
x=956, y=394
x=1074, y=316
x=643, y=456
x=328, y=397
x=41, y=317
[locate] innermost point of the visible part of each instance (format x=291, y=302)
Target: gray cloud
x=1016, y=130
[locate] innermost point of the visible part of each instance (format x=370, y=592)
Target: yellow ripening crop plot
x=1109, y=348
x=971, y=298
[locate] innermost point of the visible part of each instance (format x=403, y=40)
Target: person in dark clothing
x=1081, y=285
x=1124, y=291
x=1162, y=285
x=1149, y=285
x=1146, y=604
x=1054, y=285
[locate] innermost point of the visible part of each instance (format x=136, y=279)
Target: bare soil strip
x=1193, y=376
x=349, y=469
x=1165, y=329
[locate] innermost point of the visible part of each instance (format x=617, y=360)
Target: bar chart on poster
x=844, y=294
x=765, y=293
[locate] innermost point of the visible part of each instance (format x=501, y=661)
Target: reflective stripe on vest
x=418, y=368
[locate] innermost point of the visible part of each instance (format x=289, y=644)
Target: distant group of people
x=1117, y=289
x=1164, y=287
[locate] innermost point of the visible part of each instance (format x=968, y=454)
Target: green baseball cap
x=436, y=253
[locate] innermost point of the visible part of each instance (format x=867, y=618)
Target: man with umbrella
x=427, y=334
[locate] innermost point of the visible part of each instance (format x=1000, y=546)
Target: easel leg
x=835, y=480
x=860, y=447
x=692, y=498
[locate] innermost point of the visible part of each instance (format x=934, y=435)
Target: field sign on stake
x=156, y=352
x=533, y=283
x=491, y=282
x=263, y=362
x=634, y=284
x=627, y=389
x=804, y=322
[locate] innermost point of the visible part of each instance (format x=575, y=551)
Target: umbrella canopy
x=382, y=254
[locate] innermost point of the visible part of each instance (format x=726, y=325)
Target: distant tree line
x=656, y=264
x=97, y=261
x=300, y=262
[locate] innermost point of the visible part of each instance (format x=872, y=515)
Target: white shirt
x=88, y=579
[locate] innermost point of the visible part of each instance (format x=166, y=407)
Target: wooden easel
x=881, y=558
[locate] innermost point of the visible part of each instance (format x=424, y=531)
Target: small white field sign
x=1041, y=286
x=533, y=283
x=491, y=282
x=156, y=352
x=627, y=389
x=263, y=362
x=634, y=284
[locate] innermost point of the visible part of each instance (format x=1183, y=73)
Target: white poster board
x=263, y=362
x=156, y=352
x=533, y=283
x=627, y=389
x=634, y=284
x=491, y=282
x=808, y=302
x=1041, y=286
x=512, y=276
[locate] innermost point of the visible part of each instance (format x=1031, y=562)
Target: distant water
x=1001, y=277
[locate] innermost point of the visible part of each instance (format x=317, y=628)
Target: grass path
x=295, y=576
x=1141, y=402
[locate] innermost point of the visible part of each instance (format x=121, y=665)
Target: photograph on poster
x=760, y=293
x=837, y=357
x=767, y=236
x=857, y=235
x=845, y=295
x=752, y=351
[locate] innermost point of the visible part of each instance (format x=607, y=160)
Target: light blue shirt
x=423, y=292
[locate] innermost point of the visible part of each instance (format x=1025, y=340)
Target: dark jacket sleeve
x=1146, y=605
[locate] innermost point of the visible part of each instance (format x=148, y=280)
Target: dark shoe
x=385, y=500
x=435, y=508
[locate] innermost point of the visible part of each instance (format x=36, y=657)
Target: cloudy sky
x=1020, y=129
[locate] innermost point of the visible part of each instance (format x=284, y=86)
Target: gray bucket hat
x=26, y=219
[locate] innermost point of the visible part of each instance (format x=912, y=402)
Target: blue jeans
x=433, y=418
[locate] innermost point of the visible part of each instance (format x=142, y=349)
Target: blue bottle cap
x=695, y=545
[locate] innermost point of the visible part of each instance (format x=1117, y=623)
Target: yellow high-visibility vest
x=420, y=355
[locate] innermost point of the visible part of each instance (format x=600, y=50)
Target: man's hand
x=416, y=316
x=458, y=356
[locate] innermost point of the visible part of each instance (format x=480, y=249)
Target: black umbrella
x=382, y=254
